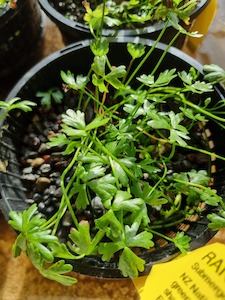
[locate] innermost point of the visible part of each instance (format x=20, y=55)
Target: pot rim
x=86, y=43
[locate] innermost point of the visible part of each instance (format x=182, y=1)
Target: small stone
x=34, y=141
x=27, y=170
x=58, y=193
x=37, y=197
x=29, y=201
x=45, y=168
x=43, y=148
x=49, y=210
x=97, y=205
x=47, y=158
x=67, y=220
x=41, y=206
x=51, y=190
x=55, y=174
x=42, y=183
x=37, y=162
x=28, y=177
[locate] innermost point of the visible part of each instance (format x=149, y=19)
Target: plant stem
x=204, y=188
x=176, y=144
x=163, y=224
x=65, y=202
x=165, y=52
x=201, y=110
x=148, y=53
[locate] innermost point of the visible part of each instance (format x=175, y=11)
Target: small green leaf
x=81, y=238
x=73, y=133
x=214, y=73
x=130, y=264
x=97, y=122
x=165, y=77
x=104, y=187
x=99, y=47
x=120, y=173
x=182, y=241
x=110, y=224
x=109, y=249
x=123, y=201
x=76, y=84
x=82, y=200
x=136, y=50
x=200, y=177
x=200, y=87
x=51, y=95
x=174, y=21
x=58, y=140
x=142, y=239
x=56, y=271
x=60, y=250
x=113, y=76
x=75, y=119
x=99, y=82
x=98, y=65
x=16, y=103
x=217, y=221
x=209, y=198
x=146, y=79
x=93, y=172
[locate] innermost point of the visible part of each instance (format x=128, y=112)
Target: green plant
x=133, y=12
x=124, y=155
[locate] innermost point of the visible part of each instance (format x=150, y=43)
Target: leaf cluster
x=134, y=12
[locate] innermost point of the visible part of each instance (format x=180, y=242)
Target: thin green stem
x=178, y=145
x=163, y=224
x=165, y=52
x=147, y=54
x=65, y=201
x=201, y=110
x=204, y=188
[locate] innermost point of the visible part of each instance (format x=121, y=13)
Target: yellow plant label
x=198, y=275
x=202, y=24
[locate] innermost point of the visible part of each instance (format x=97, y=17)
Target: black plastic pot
x=21, y=30
x=77, y=58
x=74, y=31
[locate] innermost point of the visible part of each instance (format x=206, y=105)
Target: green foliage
x=40, y=245
x=130, y=13
x=15, y=104
x=214, y=73
x=125, y=154
x=52, y=95
x=217, y=221
x=181, y=241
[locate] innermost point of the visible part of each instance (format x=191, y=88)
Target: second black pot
x=75, y=31
x=21, y=31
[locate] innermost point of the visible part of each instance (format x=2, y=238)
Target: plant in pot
x=119, y=164
x=21, y=30
x=76, y=19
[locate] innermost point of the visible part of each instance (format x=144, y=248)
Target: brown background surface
x=18, y=278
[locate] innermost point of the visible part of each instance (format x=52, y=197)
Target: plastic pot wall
x=20, y=32
x=74, y=31
x=77, y=58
